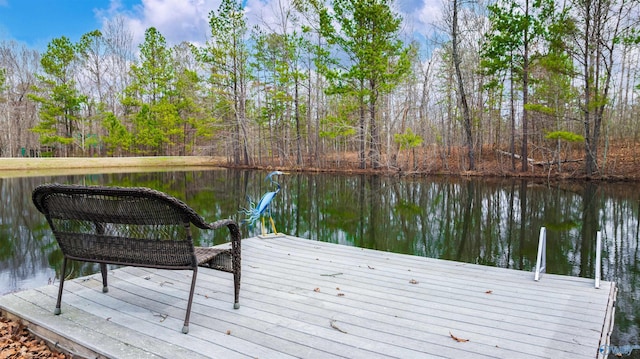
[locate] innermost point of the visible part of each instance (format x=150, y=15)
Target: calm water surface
x=489, y=222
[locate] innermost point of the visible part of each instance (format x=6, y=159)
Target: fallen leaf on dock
x=163, y=316
x=413, y=281
x=317, y=290
x=489, y=292
x=334, y=326
x=459, y=340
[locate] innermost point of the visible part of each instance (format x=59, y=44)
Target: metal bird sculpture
x=256, y=211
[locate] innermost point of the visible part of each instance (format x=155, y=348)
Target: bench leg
x=185, y=328
x=57, y=311
x=103, y=270
x=236, y=282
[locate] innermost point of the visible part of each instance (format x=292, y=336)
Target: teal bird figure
x=257, y=211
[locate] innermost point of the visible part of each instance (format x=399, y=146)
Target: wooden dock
x=308, y=299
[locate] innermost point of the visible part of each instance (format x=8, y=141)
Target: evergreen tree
x=3, y=78
x=189, y=94
x=366, y=34
x=515, y=28
x=552, y=91
x=118, y=139
x=59, y=99
x=277, y=61
x=149, y=98
x=227, y=58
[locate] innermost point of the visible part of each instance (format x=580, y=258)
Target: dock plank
x=307, y=299
x=286, y=312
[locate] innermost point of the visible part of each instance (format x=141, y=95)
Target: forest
x=501, y=86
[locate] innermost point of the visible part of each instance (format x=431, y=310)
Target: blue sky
x=35, y=22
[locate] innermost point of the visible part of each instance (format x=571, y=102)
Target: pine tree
x=150, y=98
x=515, y=28
x=226, y=57
x=366, y=32
x=59, y=99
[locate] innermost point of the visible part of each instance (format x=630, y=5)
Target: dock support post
x=541, y=261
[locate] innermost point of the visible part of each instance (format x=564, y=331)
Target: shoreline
x=11, y=167
x=43, y=166
x=29, y=163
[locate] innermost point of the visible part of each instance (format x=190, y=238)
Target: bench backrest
x=129, y=226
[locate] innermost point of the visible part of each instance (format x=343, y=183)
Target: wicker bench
x=135, y=227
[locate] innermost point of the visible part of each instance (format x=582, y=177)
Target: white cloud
x=187, y=20
x=421, y=15
x=176, y=20
x=261, y=12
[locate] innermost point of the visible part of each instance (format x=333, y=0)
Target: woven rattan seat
x=132, y=226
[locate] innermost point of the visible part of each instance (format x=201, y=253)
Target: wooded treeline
x=535, y=79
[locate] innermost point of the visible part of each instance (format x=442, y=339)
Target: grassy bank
x=22, y=167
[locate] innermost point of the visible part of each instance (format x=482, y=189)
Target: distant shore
x=624, y=168
x=26, y=166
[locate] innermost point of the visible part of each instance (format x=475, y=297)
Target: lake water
x=489, y=222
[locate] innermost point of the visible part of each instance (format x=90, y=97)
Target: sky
x=36, y=22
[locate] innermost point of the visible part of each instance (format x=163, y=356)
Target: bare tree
x=457, y=60
x=603, y=23
x=119, y=41
x=18, y=113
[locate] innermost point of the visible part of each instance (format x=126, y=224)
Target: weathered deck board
x=308, y=299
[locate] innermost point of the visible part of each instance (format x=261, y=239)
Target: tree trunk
x=588, y=76
x=525, y=94
x=375, y=133
x=600, y=34
x=463, y=96
x=297, y=120
x=512, y=142
x=361, y=133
